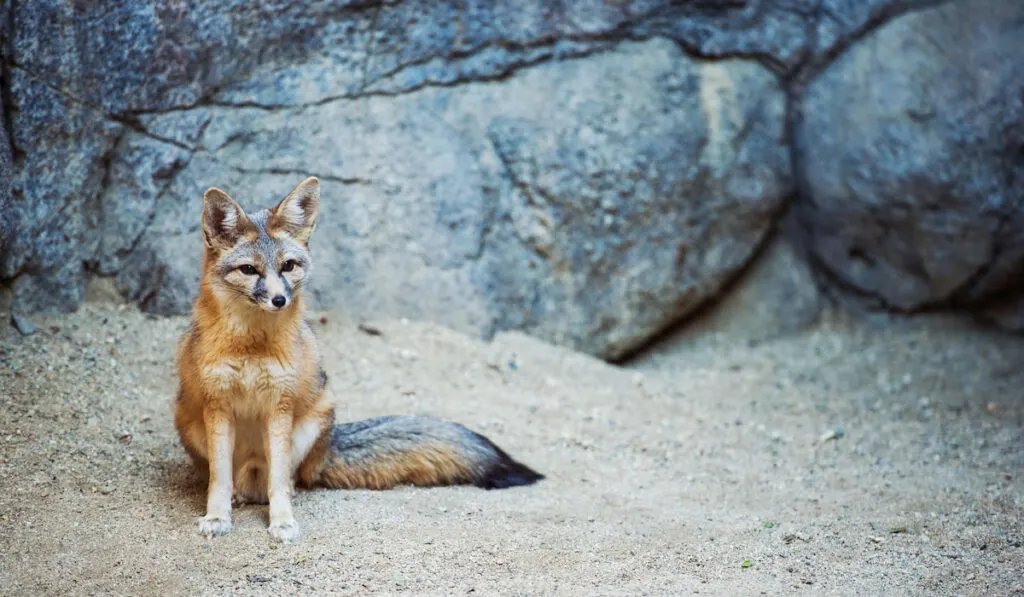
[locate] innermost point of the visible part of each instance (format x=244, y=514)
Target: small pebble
x=369, y=329
x=831, y=434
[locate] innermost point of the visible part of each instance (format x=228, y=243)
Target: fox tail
x=386, y=452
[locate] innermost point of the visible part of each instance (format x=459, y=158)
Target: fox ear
x=296, y=213
x=223, y=219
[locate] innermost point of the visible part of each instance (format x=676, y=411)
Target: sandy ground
x=664, y=477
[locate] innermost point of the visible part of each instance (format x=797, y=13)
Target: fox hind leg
x=306, y=432
x=250, y=484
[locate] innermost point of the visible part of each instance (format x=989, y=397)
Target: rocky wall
x=588, y=171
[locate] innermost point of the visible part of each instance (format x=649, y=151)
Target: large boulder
x=65, y=151
x=586, y=171
x=634, y=194
x=6, y=175
x=590, y=203
x=776, y=296
x=430, y=124
x=911, y=150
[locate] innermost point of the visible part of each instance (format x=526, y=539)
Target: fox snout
x=272, y=292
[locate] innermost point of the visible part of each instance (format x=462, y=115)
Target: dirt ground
x=843, y=461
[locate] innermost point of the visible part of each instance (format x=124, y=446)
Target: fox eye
x=248, y=270
x=288, y=266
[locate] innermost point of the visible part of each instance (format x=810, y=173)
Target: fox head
x=262, y=258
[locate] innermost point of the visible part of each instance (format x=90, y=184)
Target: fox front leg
x=279, y=442
x=220, y=442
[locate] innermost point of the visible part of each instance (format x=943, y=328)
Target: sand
x=846, y=460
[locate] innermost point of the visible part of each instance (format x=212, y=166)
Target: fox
x=251, y=410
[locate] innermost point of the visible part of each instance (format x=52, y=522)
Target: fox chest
x=245, y=380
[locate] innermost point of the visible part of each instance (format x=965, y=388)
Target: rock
x=146, y=70
x=910, y=147
x=6, y=157
x=782, y=34
x=65, y=149
x=161, y=273
x=144, y=57
x=6, y=174
x=1007, y=309
x=621, y=221
x=573, y=169
x=139, y=172
x=776, y=296
x=24, y=325
x=590, y=203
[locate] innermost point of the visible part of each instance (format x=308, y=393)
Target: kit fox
x=251, y=410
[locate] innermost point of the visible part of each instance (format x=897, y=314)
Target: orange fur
x=248, y=378
x=423, y=466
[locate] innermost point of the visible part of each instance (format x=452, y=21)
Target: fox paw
x=211, y=526
x=285, y=532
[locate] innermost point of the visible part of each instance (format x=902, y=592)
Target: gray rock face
x=590, y=203
x=587, y=171
x=6, y=175
x=57, y=184
x=144, y=56
x=911, y=148
x=632, y=218
x=776, y=296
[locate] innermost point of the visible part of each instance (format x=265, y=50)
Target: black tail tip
x=506, y=472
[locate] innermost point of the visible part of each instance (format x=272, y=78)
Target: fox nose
x=278, y=301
